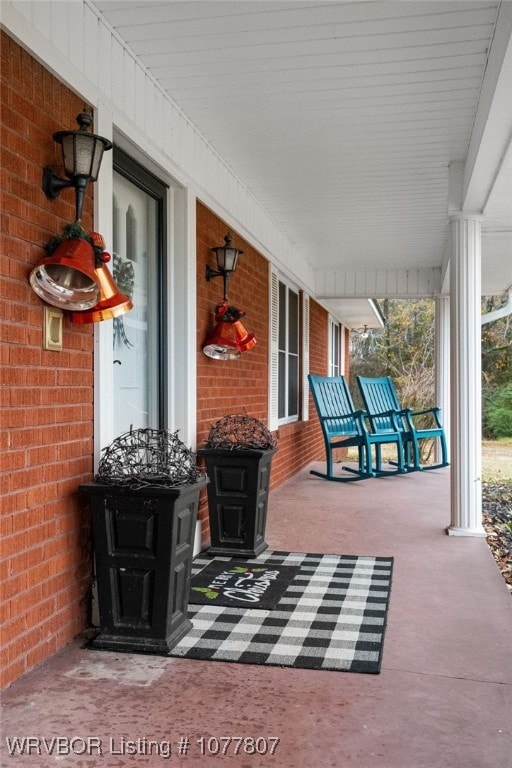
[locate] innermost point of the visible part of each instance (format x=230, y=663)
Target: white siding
x=146, y=114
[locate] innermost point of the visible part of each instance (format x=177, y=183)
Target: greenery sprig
x=228, y=314
x=77, y=231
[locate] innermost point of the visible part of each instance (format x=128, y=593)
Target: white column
x=442, y=342
x=466, y=415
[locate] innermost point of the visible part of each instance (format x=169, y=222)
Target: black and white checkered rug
x=332, y=616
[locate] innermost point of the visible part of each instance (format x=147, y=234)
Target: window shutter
x=273, y=388
x=343, y=341
x=305, y=357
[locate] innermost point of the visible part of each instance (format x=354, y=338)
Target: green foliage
x=496, y=346
x=497, y=371
x=498, y=411
x=69, y=231
x=403, y=349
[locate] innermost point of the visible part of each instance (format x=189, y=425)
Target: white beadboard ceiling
x=342, y=117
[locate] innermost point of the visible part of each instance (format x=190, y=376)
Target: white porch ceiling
x=342, y=117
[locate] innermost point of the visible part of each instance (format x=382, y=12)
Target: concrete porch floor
x=442, y=700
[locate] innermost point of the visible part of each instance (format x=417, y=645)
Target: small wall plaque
x=52, y=336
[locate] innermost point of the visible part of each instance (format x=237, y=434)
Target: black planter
x=143, y=542
x=237, y=499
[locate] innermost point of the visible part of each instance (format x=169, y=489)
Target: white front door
x=137, y=268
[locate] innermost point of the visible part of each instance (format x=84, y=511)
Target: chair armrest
x=391, y=415
x=391, y=412
x=329, y=421
x=435, y=411
x=427, y=410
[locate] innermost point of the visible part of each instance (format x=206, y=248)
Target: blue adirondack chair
x=343, y=426
x=381, y=403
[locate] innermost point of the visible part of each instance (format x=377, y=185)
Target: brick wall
x=47, y=408
x=47, y=397
x=235, y=386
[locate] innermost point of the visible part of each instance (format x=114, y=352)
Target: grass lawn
x=497, y=461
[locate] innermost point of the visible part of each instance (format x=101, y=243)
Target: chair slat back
x=334, y=405
x=379, y=395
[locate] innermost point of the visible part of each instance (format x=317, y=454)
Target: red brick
x=40, y=495
x=28, y=599
x=38, y=574
x=12, y=587
x=5, y=527
x=25, y=396
x=13, y=629
x=13, y=460
x=41, y=377
x=23, y=560
x=38, y=456
x=25, y=438
x=11, y=672
x=13, y=502
x=24, y=356
x=19, y=480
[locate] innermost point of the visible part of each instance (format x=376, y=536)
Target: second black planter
x=237, y=499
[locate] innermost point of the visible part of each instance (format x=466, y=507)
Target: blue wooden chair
x=381, y=403
x=343, y=427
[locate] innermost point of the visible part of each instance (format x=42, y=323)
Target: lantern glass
x=82, y=153
x=227, y=258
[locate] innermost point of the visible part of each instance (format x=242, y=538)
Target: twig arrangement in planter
x=148, y=457
x=240, y=431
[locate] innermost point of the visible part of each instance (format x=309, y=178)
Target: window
x=335, y=356
x=288, y=402
x=289, y=353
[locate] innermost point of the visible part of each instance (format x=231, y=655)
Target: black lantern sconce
x=82, y=153
x=227, y=259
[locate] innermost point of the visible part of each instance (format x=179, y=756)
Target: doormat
x=332, y=616
x=241, y=585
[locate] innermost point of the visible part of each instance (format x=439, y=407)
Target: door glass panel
x=136, y=334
